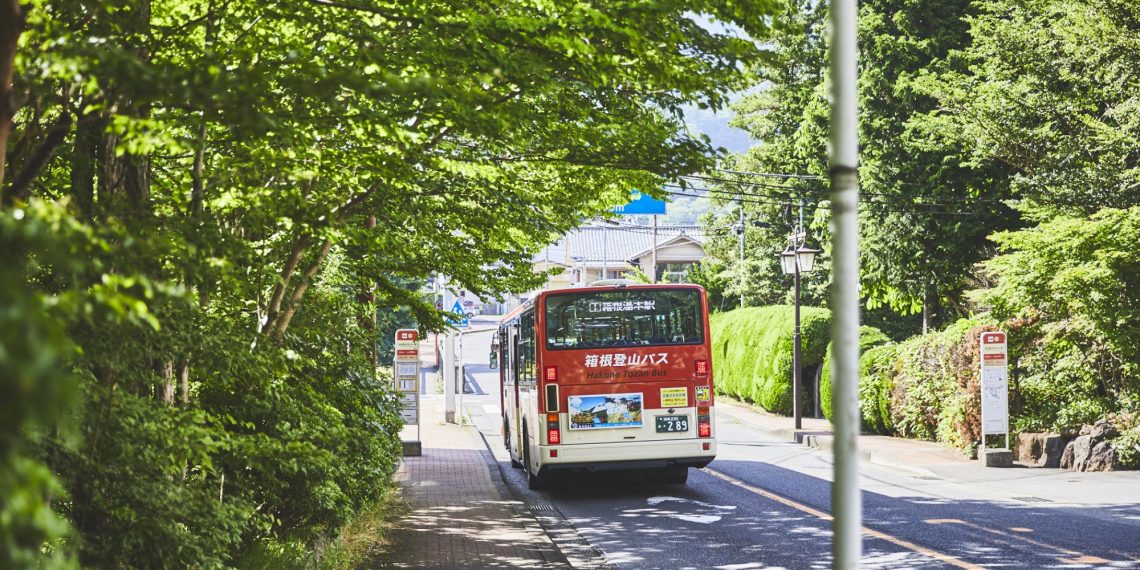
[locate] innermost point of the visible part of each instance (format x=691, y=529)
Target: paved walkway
x=460, y=513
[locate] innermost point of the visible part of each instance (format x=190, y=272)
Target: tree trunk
x=11, y=26
x=273, y=310
x=83, y=161
x=168, y=382
x=931, y=311
x=184, y=382
x=368, y=299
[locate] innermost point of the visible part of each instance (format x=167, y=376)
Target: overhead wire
x=800, y=190
x=759, y=199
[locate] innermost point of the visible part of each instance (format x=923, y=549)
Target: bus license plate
x=672, y=424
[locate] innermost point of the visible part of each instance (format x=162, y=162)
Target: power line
x=943, y=201
x=753, y=199
x=771, y=174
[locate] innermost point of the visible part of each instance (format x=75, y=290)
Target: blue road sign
x=641, y=204
x=462, y=321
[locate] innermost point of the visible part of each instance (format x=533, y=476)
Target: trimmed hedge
x=868, y=337
x=752, y=352
x=926, y=387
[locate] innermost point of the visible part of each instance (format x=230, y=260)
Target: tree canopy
x=212, y=208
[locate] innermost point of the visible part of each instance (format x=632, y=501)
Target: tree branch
x=286, y=317
x=291, y=263
x=21, y=185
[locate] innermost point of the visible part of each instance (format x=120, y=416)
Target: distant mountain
x=715, y=125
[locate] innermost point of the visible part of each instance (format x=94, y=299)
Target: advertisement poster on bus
x=605, y=411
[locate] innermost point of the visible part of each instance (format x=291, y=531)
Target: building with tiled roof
x=605, y=251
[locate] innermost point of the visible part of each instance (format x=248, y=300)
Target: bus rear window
x=603, y=319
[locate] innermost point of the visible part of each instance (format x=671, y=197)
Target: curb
x=549, y=552
x=823, y=440
x=573, y=550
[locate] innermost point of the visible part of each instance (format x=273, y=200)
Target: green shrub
x=877, y=370
x=752, y=352
x=936, y=391
x=1127, y=447
x=868, y=337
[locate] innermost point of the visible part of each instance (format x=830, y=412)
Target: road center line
x=1074, y=556
x=954, y=561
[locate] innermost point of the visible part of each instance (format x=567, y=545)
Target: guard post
x=994, y=356
x=406, y=375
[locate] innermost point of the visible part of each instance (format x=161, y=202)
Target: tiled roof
x=613, y=243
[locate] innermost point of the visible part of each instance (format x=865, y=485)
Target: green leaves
x=241, y=186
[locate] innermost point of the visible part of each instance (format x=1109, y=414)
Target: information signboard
x=407, y=346
x=995, y=384
x=406, y=377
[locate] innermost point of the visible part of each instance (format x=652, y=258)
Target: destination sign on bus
x=621, y=306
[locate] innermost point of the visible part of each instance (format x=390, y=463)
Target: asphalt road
x=764, y=503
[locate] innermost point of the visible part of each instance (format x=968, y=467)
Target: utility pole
x=605, y=249
x=653, y=277
x=846, y=504
x=740, y=232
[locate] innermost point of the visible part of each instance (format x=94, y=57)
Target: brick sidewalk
x=461, y=514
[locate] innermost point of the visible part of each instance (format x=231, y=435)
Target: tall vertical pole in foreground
x=846, y=503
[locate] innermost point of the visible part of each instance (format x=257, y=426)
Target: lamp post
x=795, y=261
x=578, y=269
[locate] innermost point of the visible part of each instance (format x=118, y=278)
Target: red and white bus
x=609, y=377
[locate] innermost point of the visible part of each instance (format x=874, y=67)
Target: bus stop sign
x=994, y=355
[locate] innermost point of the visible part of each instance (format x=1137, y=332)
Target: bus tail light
x=704, y=422
x=702, y=368
x=551, y=374
x=553, y=434
x=552, y=397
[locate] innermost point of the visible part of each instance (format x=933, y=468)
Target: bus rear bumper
x=612, y=456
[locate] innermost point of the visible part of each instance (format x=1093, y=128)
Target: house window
x=674, y=272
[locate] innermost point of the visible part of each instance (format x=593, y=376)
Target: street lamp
x=794, y=262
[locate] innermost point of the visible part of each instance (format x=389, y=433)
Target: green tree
x=925, y=209
x=1048, y=89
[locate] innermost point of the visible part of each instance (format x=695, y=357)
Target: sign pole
x=447, y=368
x=653, y=277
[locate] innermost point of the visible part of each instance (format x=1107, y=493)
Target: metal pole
x=653, y=278
x=447, y=369
x=846, y=503
x=797, y=412
x=460, y=378
x=742, y=271
x=605, y=248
